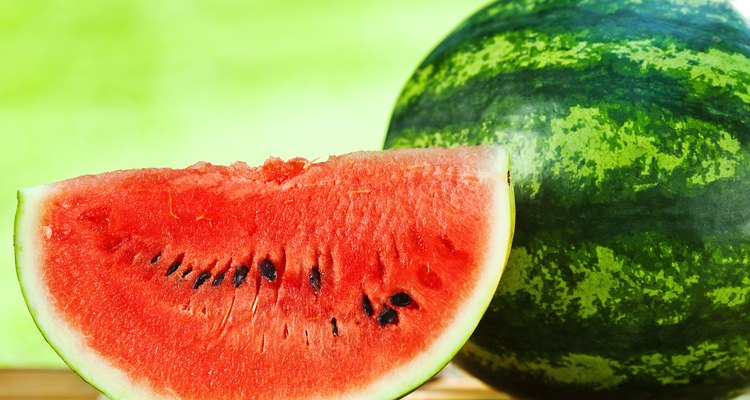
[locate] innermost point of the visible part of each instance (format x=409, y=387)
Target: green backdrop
x=88, y=86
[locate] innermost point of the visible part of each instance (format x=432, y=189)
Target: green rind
x=629, y=128
x=18, y=249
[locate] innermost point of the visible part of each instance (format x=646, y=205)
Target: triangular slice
x=358, y=277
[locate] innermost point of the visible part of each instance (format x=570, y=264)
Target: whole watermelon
x=629, y=123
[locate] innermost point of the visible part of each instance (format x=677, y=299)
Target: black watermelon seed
x=314, y=277
x=201, y=279
x=172, y=268
x=186, y=273
x=155, y=258
x=334, y=327
x=387, y=316
x=267, y=269
x=400, y=299
x=367, y=306
x=218, y=279
x=240, y=275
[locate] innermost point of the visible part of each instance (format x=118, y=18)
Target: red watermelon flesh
x=358, y=276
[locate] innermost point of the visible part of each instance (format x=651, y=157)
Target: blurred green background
x=90, y=86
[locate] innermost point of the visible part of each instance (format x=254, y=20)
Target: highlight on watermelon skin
x=357, y=277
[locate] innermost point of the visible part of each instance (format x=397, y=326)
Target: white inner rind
x=99, y=372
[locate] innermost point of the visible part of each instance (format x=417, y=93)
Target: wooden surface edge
x=64, y=384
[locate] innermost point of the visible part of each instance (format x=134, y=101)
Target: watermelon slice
x=356, y=277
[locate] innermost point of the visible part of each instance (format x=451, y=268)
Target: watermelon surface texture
x=628, y=124
x=358, y=277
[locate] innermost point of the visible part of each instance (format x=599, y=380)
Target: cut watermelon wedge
x=358, y=277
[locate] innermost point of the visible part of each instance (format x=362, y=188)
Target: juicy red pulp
x=282, y=281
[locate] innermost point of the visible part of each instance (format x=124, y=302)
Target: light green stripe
x=697, y=360
x=731, y=296
x=576, y=369
x=590, y=295
x=530, y=50
x=605, y=278
x=714, y=67
x=503, y=53
x=589, y=134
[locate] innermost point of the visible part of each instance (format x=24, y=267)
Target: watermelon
x=358, y=277
x=628, y=125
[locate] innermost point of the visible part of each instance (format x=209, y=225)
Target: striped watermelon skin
x=629, y=126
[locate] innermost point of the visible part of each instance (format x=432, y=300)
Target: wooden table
x=60, y=384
